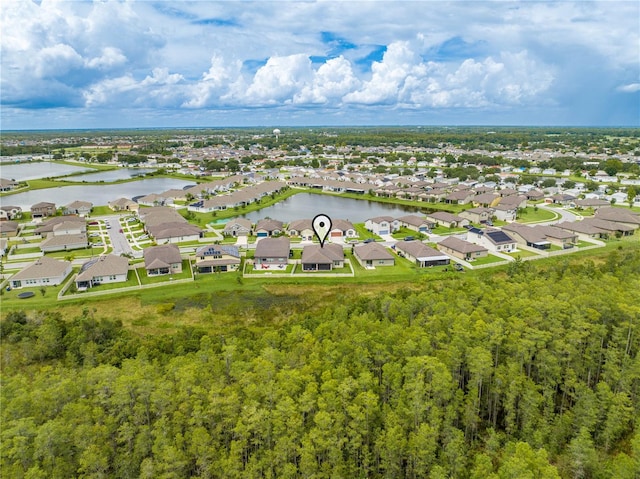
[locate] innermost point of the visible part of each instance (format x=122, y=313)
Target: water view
x=112, y=175
x=37, y=170
x=307, y=205
x=97, y=194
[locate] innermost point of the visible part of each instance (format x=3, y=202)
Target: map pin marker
x=321, y=227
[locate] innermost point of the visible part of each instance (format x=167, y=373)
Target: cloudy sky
x=105, y=64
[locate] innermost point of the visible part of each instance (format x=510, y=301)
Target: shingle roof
x=273, y=248
x=44, y=267
x=103, y=266
x=461, y=246
x=372, y=251
x=314, y=254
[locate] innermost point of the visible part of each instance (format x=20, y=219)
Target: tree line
x=531, y=372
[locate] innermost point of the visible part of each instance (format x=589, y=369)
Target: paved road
x=118, y=240
x=564, y=215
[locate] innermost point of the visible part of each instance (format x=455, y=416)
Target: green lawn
x=531, y=214
x=165, y=278
x=486, y=260
x=522, y=254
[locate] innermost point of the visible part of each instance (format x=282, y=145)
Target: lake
x=37, y=170
x=307, y=205
x=112, y=175
x=96, y=194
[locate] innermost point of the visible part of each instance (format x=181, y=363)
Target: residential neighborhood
x=471, y=220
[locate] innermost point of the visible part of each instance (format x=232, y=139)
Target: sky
x=234, y=63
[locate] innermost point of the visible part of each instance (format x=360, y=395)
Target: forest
x=527, y=372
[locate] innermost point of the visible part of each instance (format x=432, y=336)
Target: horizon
x=425, y=63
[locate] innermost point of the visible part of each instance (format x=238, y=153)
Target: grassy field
x=531, y=214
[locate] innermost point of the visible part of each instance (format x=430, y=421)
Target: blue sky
x=106, y=64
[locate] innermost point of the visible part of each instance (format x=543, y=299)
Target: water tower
x=277, y=133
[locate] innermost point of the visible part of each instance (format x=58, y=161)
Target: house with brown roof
x=80, y=208
x=317, y=258
x=45, y=271
x=421, y=254
x=342, y=229
x=372, y=255
x=62, y=225
x=43, y=209
x=102, y=270
x=7, y=184
x=64, y=242
x=163, y=259
x=619, y=215
x=268, y=227
x=584, y=229
x=10, y=212
x=301, y=228
x=541, y=236
x=272, y=253
x=462, y=249
x=176, y=232
x=477, y=215
x=448, y=220
x=460, y=197
x=415, y=223
x=9, y=229
x=593, y=203
x=124, y=204
x=217, y=258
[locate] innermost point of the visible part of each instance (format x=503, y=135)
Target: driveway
x=119, y=241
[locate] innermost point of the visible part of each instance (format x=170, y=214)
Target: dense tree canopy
x=533, y=372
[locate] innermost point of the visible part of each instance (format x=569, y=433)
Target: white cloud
x=630, y=88
x=279, y=80
x=109, y=57
x=331, y=82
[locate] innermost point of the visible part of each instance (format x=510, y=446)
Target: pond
x=38, y=169
x=112, y=175
x=307, y=205
x=96, y=194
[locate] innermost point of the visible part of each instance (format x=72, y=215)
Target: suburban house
x=237, y=227
x=593, y=203
x=448, y=220
x=272, y=253
x=477, y=215
x=486, y=199
x=124, y=204
x=540, y=236
x=9, y=212
x=80, y=208
x=9, y=229
x=268, y=227
x=317, y=258
x=163, y=259
x=504, y=212
x=43, y=209
x=415, y=223
x=459, y=197
x=421, y=254
x=177, y=232
x=301, y=228
x=45, y=271
x=619, y=215
x=4, y=244
x=104, y=269
x=61, y=225
x=493, y=239
x=7, y=184
x=217, y=258
x=462, y=249
x=342, y=229
x=561, y=199
x=372, y=255
x=64, y=242
x=382, y=225
x=513, y=201
x=584, y=229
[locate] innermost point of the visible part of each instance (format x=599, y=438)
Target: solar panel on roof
x=499, y=237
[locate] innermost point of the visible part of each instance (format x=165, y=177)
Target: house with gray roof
x=477, y=215
x=272, y=253
x=382, y=225
x=619, y=215
x=217, y=258
x=237, y=227
x=493, y=239
x=317, y=258
x=342, y=229
x=104, y=269
x=163, y=259
x=64, y=242
x=421, y=254
x=45, y=271
x=62, y=225
x=541, y=236
x=372, y=255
